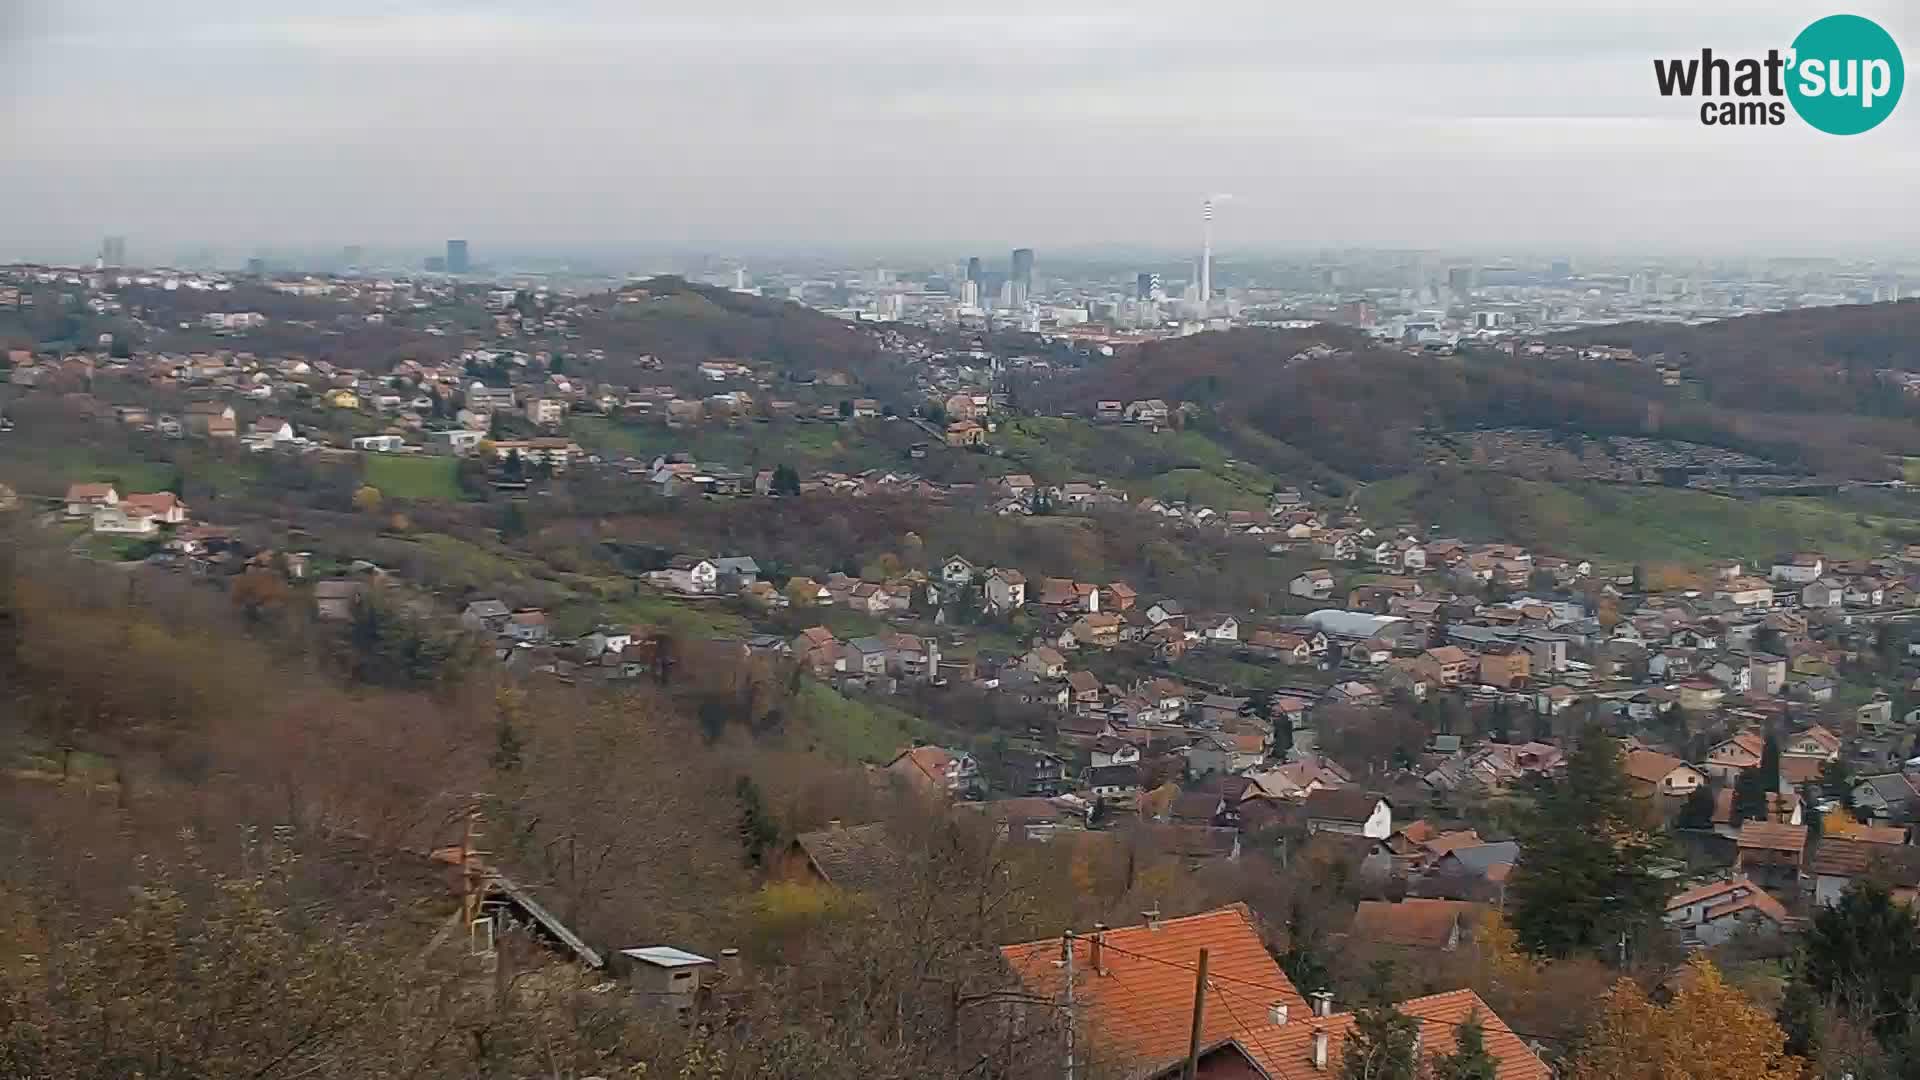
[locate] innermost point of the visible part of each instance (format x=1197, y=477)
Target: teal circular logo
x=1846, y=75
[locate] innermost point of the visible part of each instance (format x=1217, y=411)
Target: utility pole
x=1066, y=953
x=1199, y=1010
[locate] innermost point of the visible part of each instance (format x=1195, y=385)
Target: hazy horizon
x=597, y=129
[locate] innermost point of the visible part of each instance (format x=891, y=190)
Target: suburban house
x=1314, y=584
x=1006, y=589
x=1654, y=773
x=485, y=616
x=1824, y=594
x=935, y=770
x=119, y=521
x=1127, y=979
x=1045, y=662
x=1114, y=783
x=1799, y=569
x=163, y=506
x=1712, y=913
x=852, y=859
x=1450, y=664
x=1771, y=853
x=1415, y=923
x=1349, y=811
x=1701, y=695
x=1887, y=797
x=1726, y=761
x=83, y=499
x=1815, y=742
x=1841, y=859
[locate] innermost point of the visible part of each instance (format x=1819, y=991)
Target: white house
x=1714, y=912
x=1314, y=584
x=689, y=575
x=1225, y=628
x=1349, y=811
x=1799, y=569
x=84, y=499
x=1006, y=589
x=116, y=521
x=380, y=444
x=956, y=572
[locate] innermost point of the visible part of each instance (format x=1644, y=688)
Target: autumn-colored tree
x=258, y=592
x=366, y=499
x=1709, y=1031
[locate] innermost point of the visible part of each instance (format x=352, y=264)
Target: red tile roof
x=1412, y=923
x=1143, y=1004
x=1142, y=1007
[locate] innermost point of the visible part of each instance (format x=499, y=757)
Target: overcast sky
x=761, y=124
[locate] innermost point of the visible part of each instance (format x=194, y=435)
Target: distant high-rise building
x=970, y=293
x=1156, y=289
x=1460, y=280
x=1143, y=286
x=1562, y=269
x=256, y=267
x=973, y=269
x=113, y=251
x=436, y=264
x=457, y=257
x=1021, y=275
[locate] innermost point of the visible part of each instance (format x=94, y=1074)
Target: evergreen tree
x=1770, y=765
x=1380, y=1046
x=1749, y=797
x=1867, y=948
x=1470, y=1059
x=1697, y=811
x=1588, y=875
x=786, y=481
x=758, y=831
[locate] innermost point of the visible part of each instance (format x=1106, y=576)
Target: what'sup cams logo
x=1843, y=75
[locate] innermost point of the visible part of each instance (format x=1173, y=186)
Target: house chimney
x=1320, y=1048
x=1099, y=950
x=1152, y=917
x=731, y=969
x=1322, y=1002
x=1277, y=1014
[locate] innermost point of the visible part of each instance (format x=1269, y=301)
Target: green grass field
x=1169, y=464
x=410, y=477
x=1629, y=524
x=851, y=730
x=43, y=469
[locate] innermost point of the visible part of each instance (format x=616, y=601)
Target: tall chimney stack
x=1322, y=1002
x=1320, y=1048
x=1277, y=1014
x=1099, y=948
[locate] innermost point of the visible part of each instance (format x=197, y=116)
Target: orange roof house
x=1134, y=986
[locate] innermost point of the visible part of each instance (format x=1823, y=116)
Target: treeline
x=1814, y=360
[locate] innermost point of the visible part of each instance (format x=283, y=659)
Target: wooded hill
x=1797, y=388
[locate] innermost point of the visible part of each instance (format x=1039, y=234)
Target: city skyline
x=1494, y=125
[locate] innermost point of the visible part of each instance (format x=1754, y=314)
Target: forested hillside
x=1809, y=399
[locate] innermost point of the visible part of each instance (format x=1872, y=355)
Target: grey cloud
x=631, y=125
